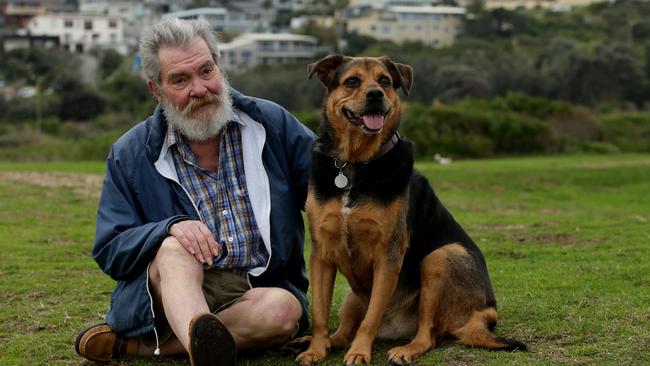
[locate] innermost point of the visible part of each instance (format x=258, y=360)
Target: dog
x=413, y=271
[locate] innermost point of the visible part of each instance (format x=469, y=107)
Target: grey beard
x=203, y=128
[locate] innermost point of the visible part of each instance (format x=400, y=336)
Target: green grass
x=566, y=239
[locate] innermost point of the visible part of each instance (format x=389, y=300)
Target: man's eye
x=178, y=82
x=207, y=71
x=384, y=82
x=353, y=82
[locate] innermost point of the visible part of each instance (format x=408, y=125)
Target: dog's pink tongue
x=373, y=121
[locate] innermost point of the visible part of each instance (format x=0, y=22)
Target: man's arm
x=124, y=243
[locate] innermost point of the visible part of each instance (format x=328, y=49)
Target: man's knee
x=173, y=257
x=282, y=310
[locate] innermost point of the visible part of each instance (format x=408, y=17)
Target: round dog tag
x=341, y=181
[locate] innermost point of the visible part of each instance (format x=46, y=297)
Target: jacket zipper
x=153, y=313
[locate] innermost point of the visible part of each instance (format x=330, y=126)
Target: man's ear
x=325, y=69
x=402, y=74
x=154, y=90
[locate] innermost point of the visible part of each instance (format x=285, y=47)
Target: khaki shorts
x=221, y=289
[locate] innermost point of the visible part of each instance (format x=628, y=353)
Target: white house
x=137, y=16
x=81, y=33
x=252, y=49
x=431, y=25
x=226, y=19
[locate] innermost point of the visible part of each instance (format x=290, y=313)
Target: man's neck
x=207, y=152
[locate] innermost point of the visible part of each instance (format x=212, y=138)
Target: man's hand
x=197, y=239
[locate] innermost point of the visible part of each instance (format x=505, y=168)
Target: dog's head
x=363, y=91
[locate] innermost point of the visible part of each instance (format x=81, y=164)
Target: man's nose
x=198, y=88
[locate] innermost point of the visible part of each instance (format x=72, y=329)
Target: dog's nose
x=374, y=94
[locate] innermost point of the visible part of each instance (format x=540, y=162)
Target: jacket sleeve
x=298, y=142
x=124, y=242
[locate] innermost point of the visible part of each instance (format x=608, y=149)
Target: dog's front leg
x=385, y=274
x=323, y=274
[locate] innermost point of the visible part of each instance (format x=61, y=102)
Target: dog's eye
x=384, y=81
x=353, y=82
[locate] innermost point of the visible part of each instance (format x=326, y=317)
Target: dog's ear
x=402, y=74
x=325, y=69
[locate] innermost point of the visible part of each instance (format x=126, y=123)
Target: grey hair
x=173, y=32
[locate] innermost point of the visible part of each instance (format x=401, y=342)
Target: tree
x=77, y=101
x=454, y=82
x=126, y=92
x=110, y=60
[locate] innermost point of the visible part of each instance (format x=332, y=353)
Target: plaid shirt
x=222, y=199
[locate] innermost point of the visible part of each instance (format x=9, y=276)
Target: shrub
x=629, y=131
x=469, y=129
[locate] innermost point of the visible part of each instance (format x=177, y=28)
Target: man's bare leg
x=175, y=280
x=263, y=317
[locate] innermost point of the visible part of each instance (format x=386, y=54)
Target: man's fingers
x=185, y=241
x=214, y=247
x=197, y=239
x=196, y=245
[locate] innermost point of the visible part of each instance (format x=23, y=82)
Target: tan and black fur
x=413, y=271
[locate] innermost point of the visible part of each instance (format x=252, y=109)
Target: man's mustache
x=197, y=103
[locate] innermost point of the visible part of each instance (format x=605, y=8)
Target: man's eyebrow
x=176, y=74
x=208, y=63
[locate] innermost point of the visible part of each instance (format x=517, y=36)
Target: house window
x=68, y=23
x=95, y=36
x=266, y=46
x=67, y=37
x=88, y=24
x=246, y=57
x=112, y=24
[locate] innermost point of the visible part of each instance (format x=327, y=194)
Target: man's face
x=193, y=91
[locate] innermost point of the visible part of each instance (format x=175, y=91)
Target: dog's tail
x=477, y=332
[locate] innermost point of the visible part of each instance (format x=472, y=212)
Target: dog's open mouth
x=372, y=120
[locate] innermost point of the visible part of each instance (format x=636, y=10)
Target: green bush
x=629, y=131
x=471, y=129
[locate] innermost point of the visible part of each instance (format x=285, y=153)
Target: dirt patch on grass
x=85, y=184
x=613, y=164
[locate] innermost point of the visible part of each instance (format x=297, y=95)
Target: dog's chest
x=353, y=234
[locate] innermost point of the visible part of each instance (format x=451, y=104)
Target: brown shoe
x=99, y=343
x=211, y=344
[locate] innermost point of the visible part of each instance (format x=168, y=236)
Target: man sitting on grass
x=199, y=219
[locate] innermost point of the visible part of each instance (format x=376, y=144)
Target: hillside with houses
x=493, y=77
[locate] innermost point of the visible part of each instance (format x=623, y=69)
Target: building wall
x=513, y=4
x=430, y=29
x=81, y=33
x=255, y=49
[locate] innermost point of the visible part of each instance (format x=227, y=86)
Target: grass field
x=566, y=239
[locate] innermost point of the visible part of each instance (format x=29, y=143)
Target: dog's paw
x=357, y=358
x=400, y=356
x=297, y=345
x=406, y=355
x=310, y=357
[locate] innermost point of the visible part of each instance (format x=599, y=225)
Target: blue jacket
x=140, y=201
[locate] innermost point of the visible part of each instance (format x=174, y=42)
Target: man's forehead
x=178, y=57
